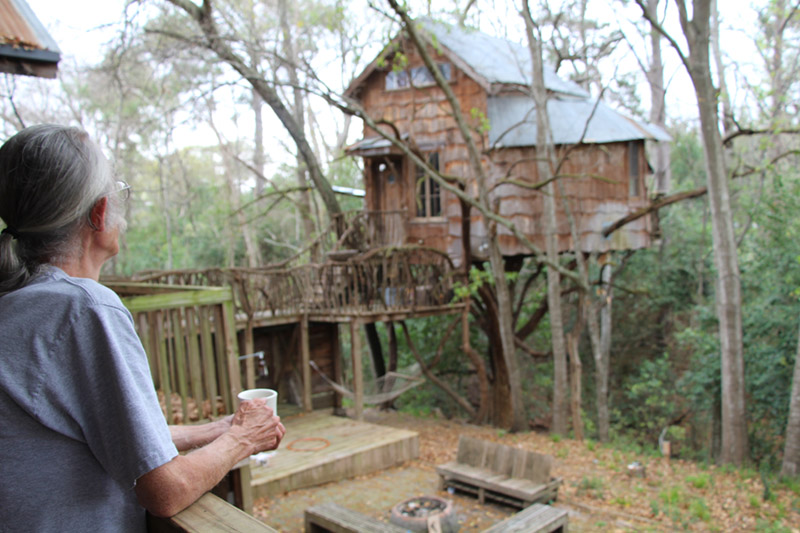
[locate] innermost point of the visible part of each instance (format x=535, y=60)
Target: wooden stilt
x=358, y=372
x=249, y=347
x=305, y=354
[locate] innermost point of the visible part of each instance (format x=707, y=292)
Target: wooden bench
x=337, y=519
x=509, y=475
x=536, y=518
x=209, y=514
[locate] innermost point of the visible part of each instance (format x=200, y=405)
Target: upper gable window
x=415, y=77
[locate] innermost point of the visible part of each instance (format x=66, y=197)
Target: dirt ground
x=601, y=490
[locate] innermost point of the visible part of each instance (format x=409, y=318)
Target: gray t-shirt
x=80, y=421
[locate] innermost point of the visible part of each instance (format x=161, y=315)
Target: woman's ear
x=97, y=216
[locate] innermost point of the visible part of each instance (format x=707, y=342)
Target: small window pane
x=417, y=77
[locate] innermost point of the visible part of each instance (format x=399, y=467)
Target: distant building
x=605, y=169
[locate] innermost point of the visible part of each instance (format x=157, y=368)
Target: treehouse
x=603, y=168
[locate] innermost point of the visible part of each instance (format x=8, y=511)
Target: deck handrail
x=381, y=280
x=209, y=514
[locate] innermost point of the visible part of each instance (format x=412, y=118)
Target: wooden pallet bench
x=536, y=518
x=337, y=519
x=509, y=475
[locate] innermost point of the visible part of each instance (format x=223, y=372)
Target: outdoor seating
x=502, y=473
x=337, y=519
x=537, y=518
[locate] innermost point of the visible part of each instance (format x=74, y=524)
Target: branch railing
x=382, y=279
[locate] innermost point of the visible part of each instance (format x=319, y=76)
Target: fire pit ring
x=413, y=514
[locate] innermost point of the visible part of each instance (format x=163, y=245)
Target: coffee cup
x=270, y=395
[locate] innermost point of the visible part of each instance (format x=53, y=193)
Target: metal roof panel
x=22, y=35
x=512, y=121
x=497, y=60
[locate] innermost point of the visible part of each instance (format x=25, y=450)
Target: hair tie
x=11, y=231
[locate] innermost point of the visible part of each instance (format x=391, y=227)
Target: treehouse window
x=633, y=169
x=414, y=77
x=429, y=194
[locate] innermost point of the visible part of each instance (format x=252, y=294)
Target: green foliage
x=593, y=486
x=477, y=278
x=698, y=509
x=700, y=481
x=482, y=120
x=765, y=526
x=650, y=399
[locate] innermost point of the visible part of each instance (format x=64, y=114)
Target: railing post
x=358, y=373
x=305, y=354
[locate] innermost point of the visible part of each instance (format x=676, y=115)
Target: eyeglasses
x=123, y=189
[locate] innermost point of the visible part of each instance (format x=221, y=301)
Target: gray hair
x=50, y=178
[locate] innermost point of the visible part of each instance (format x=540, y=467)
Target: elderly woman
x=83, y=443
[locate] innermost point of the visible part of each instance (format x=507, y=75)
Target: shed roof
x=512, y=120
x=497, y=61
x=25, y=45
x=497, y=65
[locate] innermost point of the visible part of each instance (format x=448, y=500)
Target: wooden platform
x=319, y=448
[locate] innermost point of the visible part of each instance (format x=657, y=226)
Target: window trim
x=421, y=178
x=416, y=77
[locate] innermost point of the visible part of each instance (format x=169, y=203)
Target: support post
x=305, y=354
x=234, y=372
x=249, y=347
x=358, y=372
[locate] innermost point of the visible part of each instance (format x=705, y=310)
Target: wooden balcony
x=380, y=281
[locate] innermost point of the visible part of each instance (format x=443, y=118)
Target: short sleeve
x=117, y=413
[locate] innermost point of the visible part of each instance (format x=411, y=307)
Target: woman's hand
x=257, y=425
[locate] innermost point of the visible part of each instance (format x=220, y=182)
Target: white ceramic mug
x=269, y=394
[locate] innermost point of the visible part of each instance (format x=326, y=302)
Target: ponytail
x=50, y=177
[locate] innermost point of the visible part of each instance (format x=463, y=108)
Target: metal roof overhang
x=25, y=45
x=374, y=146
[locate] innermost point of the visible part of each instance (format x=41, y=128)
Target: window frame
x=415, y=77
x=427, y=192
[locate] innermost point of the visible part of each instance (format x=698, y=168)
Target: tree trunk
x=576, y=369
x=290, y=62
x=203, y=16
x=506, y=345
x=791, y=451
x=728, y=283
x=167, y=217
x=544, y=152
x=257, y=103
x=603, y=356
x=389, y=383
x=655, y=78
x=375, y=349
x=722, y=90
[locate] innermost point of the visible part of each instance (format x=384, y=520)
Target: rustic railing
x=385, y=279
x=189, y=334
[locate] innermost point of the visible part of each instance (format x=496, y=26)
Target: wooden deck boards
x=340, y=448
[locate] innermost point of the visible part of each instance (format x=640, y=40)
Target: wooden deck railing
x=189, y=334
x=209, y=514
x=380, y=280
